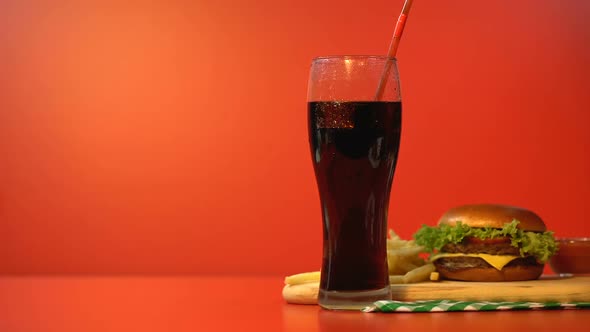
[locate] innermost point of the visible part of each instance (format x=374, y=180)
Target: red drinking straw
x=397, y=36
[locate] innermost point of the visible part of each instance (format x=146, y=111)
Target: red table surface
x=162, y=303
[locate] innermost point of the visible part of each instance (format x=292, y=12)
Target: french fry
x=394, y=242
x=407, y=265
x=418, y=261
x=393, y=264
x=403, y=256
x=302, y=278
x=393, y=235
x=407, y=251
x=434, y=276
x=420, y=274
x=396, y=280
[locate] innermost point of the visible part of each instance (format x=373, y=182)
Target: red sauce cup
x=573, y=256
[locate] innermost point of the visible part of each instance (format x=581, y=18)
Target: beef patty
x=481, y=248
x=459, y=263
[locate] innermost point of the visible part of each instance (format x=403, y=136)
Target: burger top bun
x=493, y=215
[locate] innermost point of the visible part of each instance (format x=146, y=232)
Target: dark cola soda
x=354, y=148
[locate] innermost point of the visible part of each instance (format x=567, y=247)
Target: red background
x=170, y=136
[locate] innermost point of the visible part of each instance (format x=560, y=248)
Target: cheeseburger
x=488, y=242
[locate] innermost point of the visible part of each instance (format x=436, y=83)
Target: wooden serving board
x=554, y=288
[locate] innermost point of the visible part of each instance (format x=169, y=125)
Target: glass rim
x=352, y=57
x=572, y=239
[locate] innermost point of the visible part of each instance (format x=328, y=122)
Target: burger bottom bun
x=508, y=273
x=306, y=293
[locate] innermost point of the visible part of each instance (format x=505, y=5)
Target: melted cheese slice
x=497, y=261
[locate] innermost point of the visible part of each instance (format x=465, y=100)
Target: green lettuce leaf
x=540, y=245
